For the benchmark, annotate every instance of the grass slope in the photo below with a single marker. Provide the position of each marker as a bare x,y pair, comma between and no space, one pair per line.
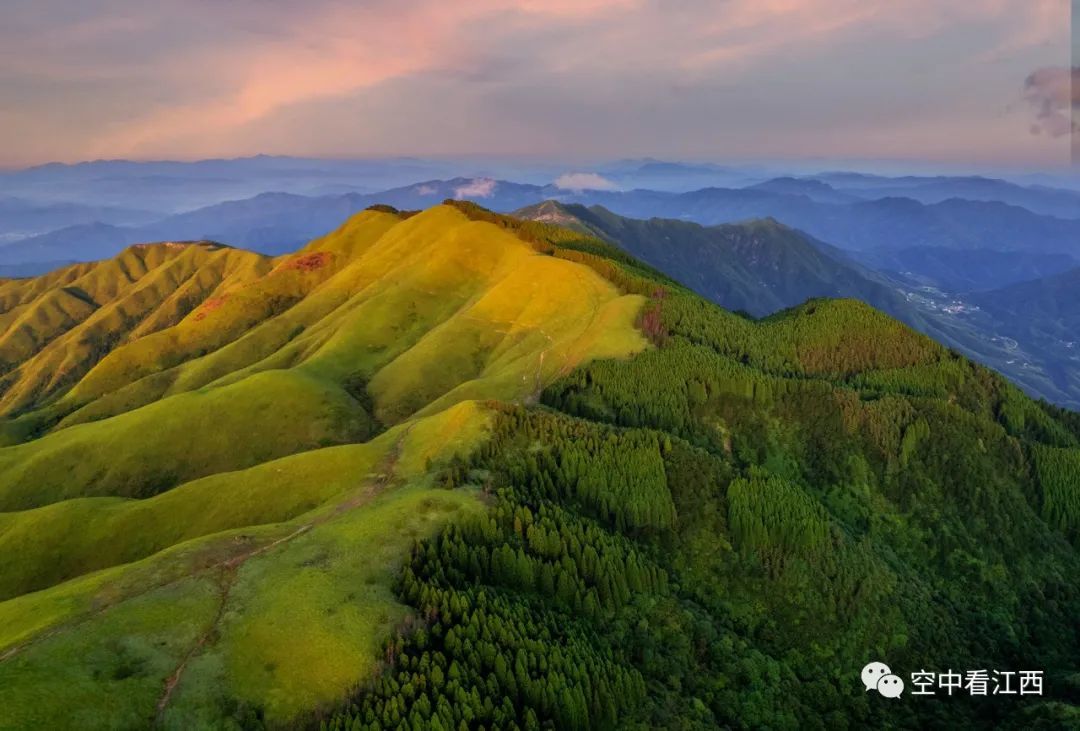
154,448
48,348
217,483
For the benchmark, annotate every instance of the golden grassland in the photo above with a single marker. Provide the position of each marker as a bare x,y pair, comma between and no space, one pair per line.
216,461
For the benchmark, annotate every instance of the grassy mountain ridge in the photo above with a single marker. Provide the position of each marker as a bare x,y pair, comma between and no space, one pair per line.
369,521
144,289
183,461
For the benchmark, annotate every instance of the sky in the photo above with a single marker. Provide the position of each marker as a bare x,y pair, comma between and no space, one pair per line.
957,81
1075,90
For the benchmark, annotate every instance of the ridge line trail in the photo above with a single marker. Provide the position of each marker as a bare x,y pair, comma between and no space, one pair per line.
230,568
567,367
367,489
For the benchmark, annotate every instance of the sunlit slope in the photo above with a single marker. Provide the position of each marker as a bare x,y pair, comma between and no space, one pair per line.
44,546
440,303
431,310
53,329
201,509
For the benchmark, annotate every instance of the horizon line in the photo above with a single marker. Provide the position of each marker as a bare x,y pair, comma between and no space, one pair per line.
829,164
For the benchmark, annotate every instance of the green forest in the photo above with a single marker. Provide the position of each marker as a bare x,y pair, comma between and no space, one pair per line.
721,531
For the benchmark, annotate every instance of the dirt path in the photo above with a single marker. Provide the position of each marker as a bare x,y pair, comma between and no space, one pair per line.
226,578
227,571
538,381
231,567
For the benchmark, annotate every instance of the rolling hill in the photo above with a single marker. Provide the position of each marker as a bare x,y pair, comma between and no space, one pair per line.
456,468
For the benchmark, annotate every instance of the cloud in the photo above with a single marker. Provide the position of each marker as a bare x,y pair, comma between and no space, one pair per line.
583,78
221,69
425,189
584,181
477,188
1052,92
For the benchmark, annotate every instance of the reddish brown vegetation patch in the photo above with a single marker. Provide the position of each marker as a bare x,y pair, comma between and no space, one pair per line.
309,262
651,320
211,304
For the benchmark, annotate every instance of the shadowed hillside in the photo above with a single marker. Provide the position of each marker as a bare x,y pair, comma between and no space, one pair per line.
758,267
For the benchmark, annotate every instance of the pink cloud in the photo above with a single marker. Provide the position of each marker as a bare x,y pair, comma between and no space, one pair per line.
742,30
198,78
307,52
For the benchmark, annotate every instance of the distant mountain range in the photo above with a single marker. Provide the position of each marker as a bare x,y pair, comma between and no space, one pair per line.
172,186
1038,325
21,271
811,188
1036,198
21,218
957,270
900,235
911,246
887,224
79,242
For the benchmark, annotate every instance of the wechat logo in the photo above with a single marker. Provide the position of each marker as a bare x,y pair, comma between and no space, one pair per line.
877,676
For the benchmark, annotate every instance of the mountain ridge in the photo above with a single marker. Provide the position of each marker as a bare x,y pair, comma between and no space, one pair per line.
498,444
759,266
